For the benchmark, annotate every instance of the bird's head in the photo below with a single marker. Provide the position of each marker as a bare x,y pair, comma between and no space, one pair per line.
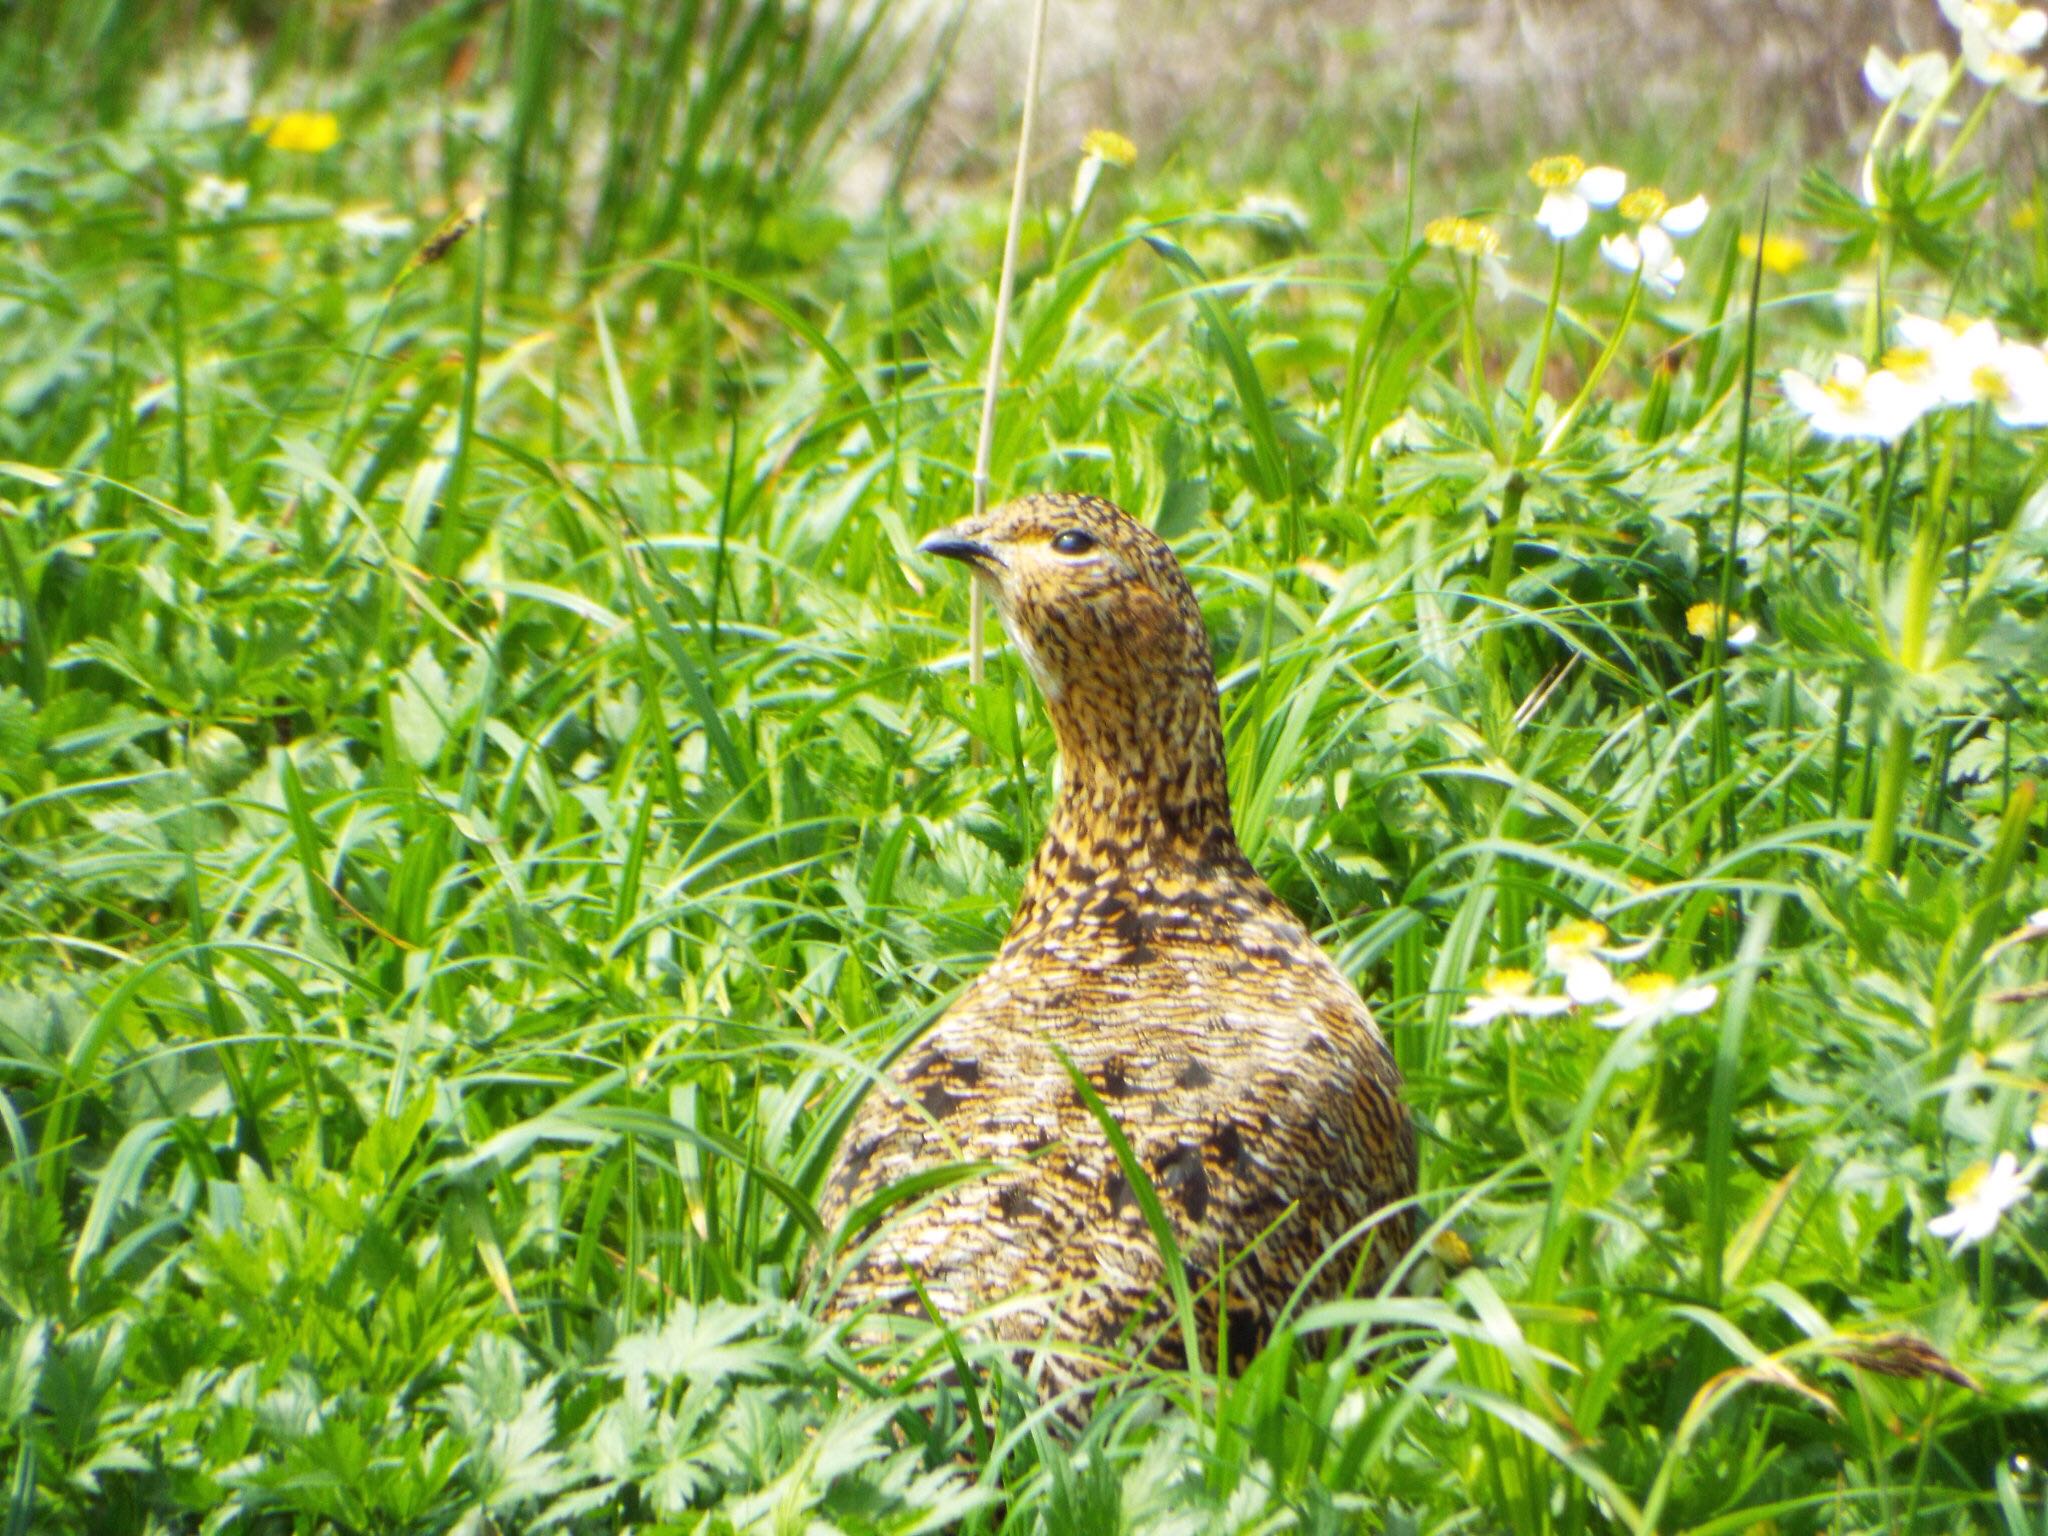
1092,599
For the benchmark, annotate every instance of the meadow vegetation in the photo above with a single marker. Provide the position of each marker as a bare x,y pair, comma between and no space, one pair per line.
484,780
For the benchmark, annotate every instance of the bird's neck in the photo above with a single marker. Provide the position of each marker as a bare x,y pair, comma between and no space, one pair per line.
1141,840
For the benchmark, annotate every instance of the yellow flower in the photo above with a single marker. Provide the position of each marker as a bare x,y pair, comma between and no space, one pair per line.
1783,254
1700,619
1555,173
1645,205
1467,237
298,133
1105,144
2026,218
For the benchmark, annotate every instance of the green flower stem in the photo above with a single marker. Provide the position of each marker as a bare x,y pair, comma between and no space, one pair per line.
1076,217
1922,580
1534,388
1918,137
1968,131
1891,795
1469,354
1499,572
1600,366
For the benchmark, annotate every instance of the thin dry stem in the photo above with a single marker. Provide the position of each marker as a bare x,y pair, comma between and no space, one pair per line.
985,443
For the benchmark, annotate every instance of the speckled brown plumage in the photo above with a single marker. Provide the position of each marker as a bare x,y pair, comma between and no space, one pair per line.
1241,1064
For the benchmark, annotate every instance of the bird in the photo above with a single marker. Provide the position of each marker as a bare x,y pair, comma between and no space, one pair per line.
1253,1089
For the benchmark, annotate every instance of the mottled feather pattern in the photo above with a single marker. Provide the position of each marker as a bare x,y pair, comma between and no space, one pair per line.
1243,1067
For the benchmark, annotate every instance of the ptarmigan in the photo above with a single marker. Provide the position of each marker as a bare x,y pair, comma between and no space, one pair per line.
1243,1067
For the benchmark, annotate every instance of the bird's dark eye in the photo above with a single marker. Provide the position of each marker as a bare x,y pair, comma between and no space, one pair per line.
1073,541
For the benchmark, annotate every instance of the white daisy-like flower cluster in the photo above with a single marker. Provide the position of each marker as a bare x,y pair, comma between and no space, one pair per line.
1572,190
1581,953
1997,36
1936,364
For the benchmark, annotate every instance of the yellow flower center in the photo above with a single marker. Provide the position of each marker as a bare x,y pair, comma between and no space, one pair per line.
1913,364
1645,205
1989,383
1578,936
2000,65
1113,147
2000,13
1468,237
1509,982
1650,984
1557,173
1967,1182
1846,392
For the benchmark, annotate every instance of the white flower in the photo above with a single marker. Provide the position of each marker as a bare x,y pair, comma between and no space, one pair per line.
1975,365
1991,65
1505,993
1579,951
371,227
1654,996
2002,25
2038,1133
1852,402
1980,1195
1657,258
1571,190
1915,81
1652,250
212,198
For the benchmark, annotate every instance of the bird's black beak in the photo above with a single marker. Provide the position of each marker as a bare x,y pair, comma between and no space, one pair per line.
950,546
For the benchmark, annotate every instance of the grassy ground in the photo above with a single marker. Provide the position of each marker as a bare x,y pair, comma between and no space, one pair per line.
483,779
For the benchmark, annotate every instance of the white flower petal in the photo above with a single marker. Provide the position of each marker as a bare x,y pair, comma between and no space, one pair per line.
1884,77
2025,372
1686,218
1587,981
1621,252
1602,186
1563,214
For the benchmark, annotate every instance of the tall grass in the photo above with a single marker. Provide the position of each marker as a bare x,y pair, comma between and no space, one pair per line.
485,784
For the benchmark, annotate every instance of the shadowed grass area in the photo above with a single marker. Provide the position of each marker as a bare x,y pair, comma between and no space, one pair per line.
485,783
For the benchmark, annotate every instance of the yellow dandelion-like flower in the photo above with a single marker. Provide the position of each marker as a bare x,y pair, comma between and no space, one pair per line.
1106,144
1783,254
298,133
2026,218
